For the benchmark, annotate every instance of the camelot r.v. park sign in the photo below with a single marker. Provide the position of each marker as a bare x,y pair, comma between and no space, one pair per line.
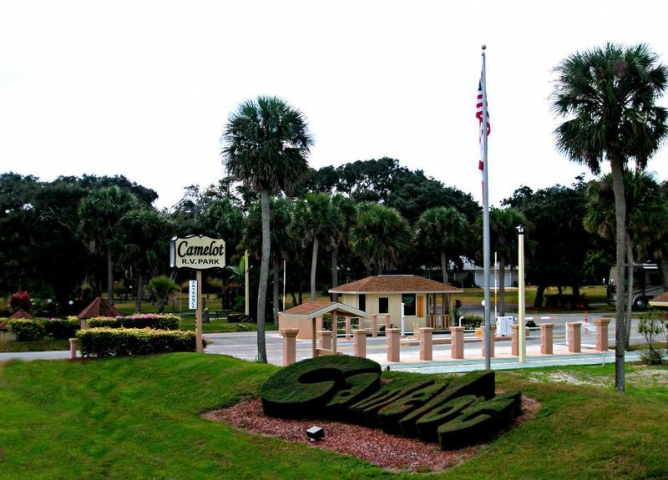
197,252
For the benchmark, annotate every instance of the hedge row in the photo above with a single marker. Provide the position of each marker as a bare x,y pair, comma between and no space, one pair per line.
37,328
149,320
112,342
453,412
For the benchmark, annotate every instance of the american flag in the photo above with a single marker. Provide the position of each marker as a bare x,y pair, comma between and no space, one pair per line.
482,99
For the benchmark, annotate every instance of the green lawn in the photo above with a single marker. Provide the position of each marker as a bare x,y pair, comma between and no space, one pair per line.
140,418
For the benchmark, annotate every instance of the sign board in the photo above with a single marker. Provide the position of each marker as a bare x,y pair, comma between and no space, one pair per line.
192,295
197,251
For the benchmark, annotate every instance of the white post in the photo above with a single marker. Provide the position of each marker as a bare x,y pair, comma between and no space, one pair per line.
285,269
520,308
402,319
247,287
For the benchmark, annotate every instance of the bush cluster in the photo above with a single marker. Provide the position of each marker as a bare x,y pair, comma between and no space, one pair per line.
112,342
27,329
149,320
62,329
453,412
469,322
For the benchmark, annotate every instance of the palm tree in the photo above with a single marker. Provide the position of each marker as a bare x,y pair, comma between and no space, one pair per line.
608,96
503,225
143,238
647,211
282,243
266,144
99,214
441,230
316,221
380,236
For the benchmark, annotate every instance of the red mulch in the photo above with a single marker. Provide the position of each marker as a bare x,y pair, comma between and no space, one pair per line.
390,452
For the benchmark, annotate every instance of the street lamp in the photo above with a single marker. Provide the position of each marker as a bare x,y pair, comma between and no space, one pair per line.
520,297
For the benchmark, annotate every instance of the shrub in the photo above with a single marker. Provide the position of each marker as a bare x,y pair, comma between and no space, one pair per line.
27,329
61,329
109,342
455,412
21,301
304,388
149,320
469,322
651,326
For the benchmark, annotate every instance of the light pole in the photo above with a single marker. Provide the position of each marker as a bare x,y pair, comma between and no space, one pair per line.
520,297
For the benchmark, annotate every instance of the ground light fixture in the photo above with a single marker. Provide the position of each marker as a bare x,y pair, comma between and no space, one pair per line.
315,433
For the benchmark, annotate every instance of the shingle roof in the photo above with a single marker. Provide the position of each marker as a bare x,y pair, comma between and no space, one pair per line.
660,301
314,309
395,284
99,308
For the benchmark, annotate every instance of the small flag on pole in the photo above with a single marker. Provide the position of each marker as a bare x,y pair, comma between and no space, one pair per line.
481,109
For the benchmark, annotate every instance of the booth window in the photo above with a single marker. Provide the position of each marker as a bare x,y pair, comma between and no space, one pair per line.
408,300
383,305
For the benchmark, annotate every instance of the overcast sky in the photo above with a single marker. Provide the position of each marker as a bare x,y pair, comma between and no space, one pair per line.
144,88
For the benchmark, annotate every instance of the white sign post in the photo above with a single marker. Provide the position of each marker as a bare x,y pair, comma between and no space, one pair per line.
197,252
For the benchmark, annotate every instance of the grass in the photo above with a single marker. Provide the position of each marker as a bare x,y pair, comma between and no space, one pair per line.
140,418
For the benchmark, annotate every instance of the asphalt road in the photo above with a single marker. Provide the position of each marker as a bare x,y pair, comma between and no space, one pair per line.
244,346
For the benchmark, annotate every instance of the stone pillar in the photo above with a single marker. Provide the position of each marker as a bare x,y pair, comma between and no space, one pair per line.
349,331
374,324
393,354
83,323
387,321
601,333
546,338
457,343
492,333
73,348
574,331
325,340
289,345
359,345
426,344
515,340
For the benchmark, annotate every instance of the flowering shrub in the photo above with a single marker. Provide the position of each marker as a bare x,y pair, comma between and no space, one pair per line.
21,301
147,320
113,342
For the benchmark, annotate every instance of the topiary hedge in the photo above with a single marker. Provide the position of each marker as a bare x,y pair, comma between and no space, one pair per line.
453,412
149,320
27,329
305,388
112,342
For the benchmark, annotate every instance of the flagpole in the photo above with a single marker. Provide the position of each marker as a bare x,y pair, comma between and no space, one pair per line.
485,217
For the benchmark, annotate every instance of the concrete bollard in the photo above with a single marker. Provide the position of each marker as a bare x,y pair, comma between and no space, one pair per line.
426,343
574,331
393,353
325,340
547,338
515,340
73,348
374,324
457,343
492,334
289,345
387,322
602,334
359,343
